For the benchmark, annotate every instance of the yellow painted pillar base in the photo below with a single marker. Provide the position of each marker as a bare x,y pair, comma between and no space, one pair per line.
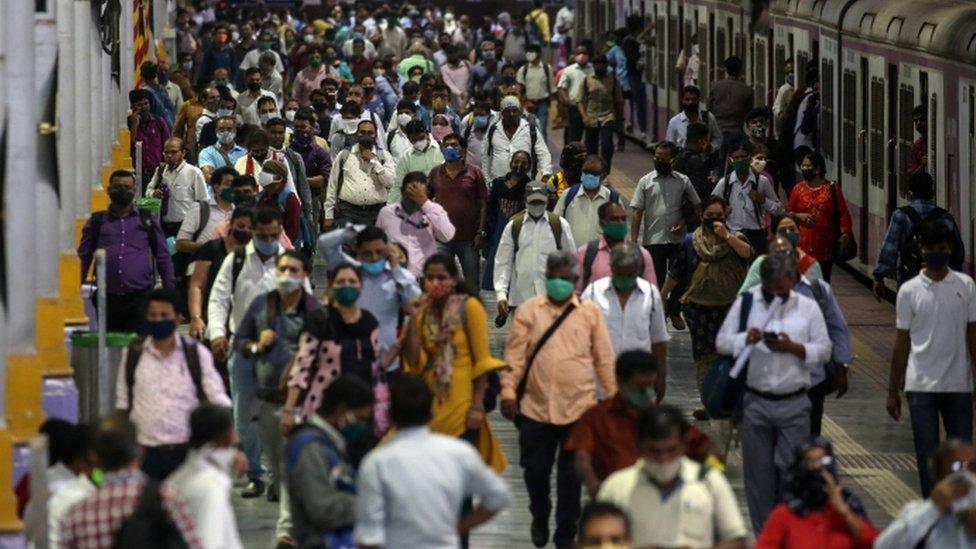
99,200
24,409
8,501
72,307
125,139
51,352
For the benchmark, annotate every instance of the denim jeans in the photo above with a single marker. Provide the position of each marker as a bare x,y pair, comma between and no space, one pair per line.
242,394
956,410
542,114
465,254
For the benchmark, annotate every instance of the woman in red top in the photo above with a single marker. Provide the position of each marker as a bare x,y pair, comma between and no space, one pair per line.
818,511
820,208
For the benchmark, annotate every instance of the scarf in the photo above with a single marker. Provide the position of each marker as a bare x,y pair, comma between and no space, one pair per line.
719,273
440,333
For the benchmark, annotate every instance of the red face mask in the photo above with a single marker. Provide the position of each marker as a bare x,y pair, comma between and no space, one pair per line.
438,290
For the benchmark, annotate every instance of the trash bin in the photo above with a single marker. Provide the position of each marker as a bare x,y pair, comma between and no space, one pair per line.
96,390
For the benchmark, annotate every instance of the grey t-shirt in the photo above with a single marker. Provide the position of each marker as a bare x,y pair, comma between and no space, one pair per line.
661,198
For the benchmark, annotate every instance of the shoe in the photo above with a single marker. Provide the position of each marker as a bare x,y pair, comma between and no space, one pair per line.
285,542
272,494
540,533
678,322
253,489
701,415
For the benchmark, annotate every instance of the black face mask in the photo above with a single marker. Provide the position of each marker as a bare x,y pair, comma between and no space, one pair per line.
366,141
319,106
689,107
254,86
808,486
709,222
662,167
520,171
121,196
245,200
809,174
600,72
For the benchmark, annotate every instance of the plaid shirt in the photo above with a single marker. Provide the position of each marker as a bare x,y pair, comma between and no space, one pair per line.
93,522
901,228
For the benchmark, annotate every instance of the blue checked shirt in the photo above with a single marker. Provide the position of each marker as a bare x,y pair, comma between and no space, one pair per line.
900,228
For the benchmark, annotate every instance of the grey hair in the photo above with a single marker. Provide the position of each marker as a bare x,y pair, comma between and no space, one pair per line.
777,267
625,254
561,260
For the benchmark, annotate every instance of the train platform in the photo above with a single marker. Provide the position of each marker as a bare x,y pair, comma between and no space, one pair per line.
875,453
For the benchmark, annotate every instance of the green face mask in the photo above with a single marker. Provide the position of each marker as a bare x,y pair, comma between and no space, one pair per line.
227,194
792,236
615,230
624,283
345,295
637,398
740,165
354,431
559,289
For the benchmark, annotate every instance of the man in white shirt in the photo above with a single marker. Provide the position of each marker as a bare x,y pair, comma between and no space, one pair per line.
786,338
671,500
178,183
570,91
749,195
253,57
691,111
247,101
359,182
935,522
528,238
204,480
633,309
202,219
658,204
934,348
509,133
410,489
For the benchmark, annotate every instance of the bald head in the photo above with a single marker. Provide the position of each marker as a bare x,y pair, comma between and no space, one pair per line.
173,152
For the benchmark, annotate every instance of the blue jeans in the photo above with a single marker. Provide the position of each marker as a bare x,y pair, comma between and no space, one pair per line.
542,114
242,395
638,101
465,254
956,410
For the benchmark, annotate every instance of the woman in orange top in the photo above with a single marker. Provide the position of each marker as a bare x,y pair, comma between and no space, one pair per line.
821,210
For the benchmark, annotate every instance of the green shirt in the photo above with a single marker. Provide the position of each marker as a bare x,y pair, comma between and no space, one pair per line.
754,278
414,161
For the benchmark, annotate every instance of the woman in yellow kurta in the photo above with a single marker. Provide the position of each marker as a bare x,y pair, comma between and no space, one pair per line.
446,344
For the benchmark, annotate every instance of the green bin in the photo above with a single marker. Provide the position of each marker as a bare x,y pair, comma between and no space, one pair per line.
96,389
151,205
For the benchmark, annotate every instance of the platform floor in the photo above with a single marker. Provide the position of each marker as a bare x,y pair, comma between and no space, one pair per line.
875,453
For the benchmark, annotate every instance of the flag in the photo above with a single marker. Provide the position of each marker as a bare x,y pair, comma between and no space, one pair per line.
142,36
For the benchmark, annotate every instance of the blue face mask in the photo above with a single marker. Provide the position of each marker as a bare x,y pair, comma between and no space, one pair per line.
590,181
374,267
452,153
265,247
936,260
160,329
481,122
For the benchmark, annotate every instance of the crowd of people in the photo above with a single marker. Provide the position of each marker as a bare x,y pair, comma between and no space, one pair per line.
406,148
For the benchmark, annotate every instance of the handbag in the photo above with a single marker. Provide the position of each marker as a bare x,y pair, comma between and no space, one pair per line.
842,253
721,394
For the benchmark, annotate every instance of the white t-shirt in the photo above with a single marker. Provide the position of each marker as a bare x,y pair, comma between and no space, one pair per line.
936,314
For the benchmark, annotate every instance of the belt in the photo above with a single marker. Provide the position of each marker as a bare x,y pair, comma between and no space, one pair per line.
776,396
367,207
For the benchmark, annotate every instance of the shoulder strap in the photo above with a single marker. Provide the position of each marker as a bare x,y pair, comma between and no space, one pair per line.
303,438
149,225
744,309
131,361
389,139
570,196
94,233
726,189
517,221
556,226
936,213
192,355
818,294
912,214
548,70
533,138
520,390
342,171
240,254
490,137
204,218
592,247
225,156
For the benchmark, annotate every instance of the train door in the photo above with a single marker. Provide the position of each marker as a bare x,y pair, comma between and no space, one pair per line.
876,122
938,128
705,83
760,70
967,168
828,109
853,171
661,74
674,45
891,165
910,89
802,56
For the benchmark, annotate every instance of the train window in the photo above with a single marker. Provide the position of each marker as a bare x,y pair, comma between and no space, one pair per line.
779,59
906,102
933,133
659,52
877,142
720,51
848,126
827,110
971,47
703,61
739,45
760,70
689,30
672,39
800,69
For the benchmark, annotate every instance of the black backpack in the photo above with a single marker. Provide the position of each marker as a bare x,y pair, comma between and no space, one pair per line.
190,353
149,526
910,257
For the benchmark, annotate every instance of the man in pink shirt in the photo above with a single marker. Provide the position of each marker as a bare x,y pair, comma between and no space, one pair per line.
416,222
161,379
594,256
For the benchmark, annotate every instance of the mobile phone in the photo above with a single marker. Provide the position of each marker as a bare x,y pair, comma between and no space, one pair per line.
770,335
500,320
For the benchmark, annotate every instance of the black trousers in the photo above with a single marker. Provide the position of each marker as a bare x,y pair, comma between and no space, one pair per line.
538,444
817,394
663,255
826,268
159,461
757,239
126,312
574,130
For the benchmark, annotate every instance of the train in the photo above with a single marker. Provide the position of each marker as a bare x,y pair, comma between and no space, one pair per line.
877,60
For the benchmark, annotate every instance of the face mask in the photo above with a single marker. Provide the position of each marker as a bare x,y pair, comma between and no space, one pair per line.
290,115
266,179
600,72
287,284
535,210
366,141
222,457
615,230
590,181
264,117
374,267
531,56
611,43
709,222
662,473
384,25
759,132
558,289
808,486
264,45
354,431
936,260
520,171
809,174
419,146
121,196
378,72
690,107
187,66
769,297
319,106
403,119
368,90
439,104
242,236
265,247
452,154
345,295
740,165
481,122
487,55
662,167
415,78
789,79
758,165
160,329
254,87
221,113
624,283
438,291
226,138
245,200
227,194
792,236
637,398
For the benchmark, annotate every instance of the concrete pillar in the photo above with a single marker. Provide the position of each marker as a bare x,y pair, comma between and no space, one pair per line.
83,115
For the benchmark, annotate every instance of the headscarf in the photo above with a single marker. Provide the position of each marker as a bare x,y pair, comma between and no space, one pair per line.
804,492
440,332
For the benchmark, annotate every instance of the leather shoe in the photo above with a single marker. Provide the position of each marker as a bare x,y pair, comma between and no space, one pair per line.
540,533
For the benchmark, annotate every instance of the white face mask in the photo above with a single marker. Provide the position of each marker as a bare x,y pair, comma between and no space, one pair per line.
309,38
531,56
350,125
662,473
403,119
226,138
758,165
222,457
266,179
419,146
290,115
287,284
384,24
264,117
224,112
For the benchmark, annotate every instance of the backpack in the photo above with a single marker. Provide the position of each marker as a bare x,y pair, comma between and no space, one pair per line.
150,525
204,219
573,190
148,224
190,353
910,257
546,69
554,224
533,138
592,249
306,239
